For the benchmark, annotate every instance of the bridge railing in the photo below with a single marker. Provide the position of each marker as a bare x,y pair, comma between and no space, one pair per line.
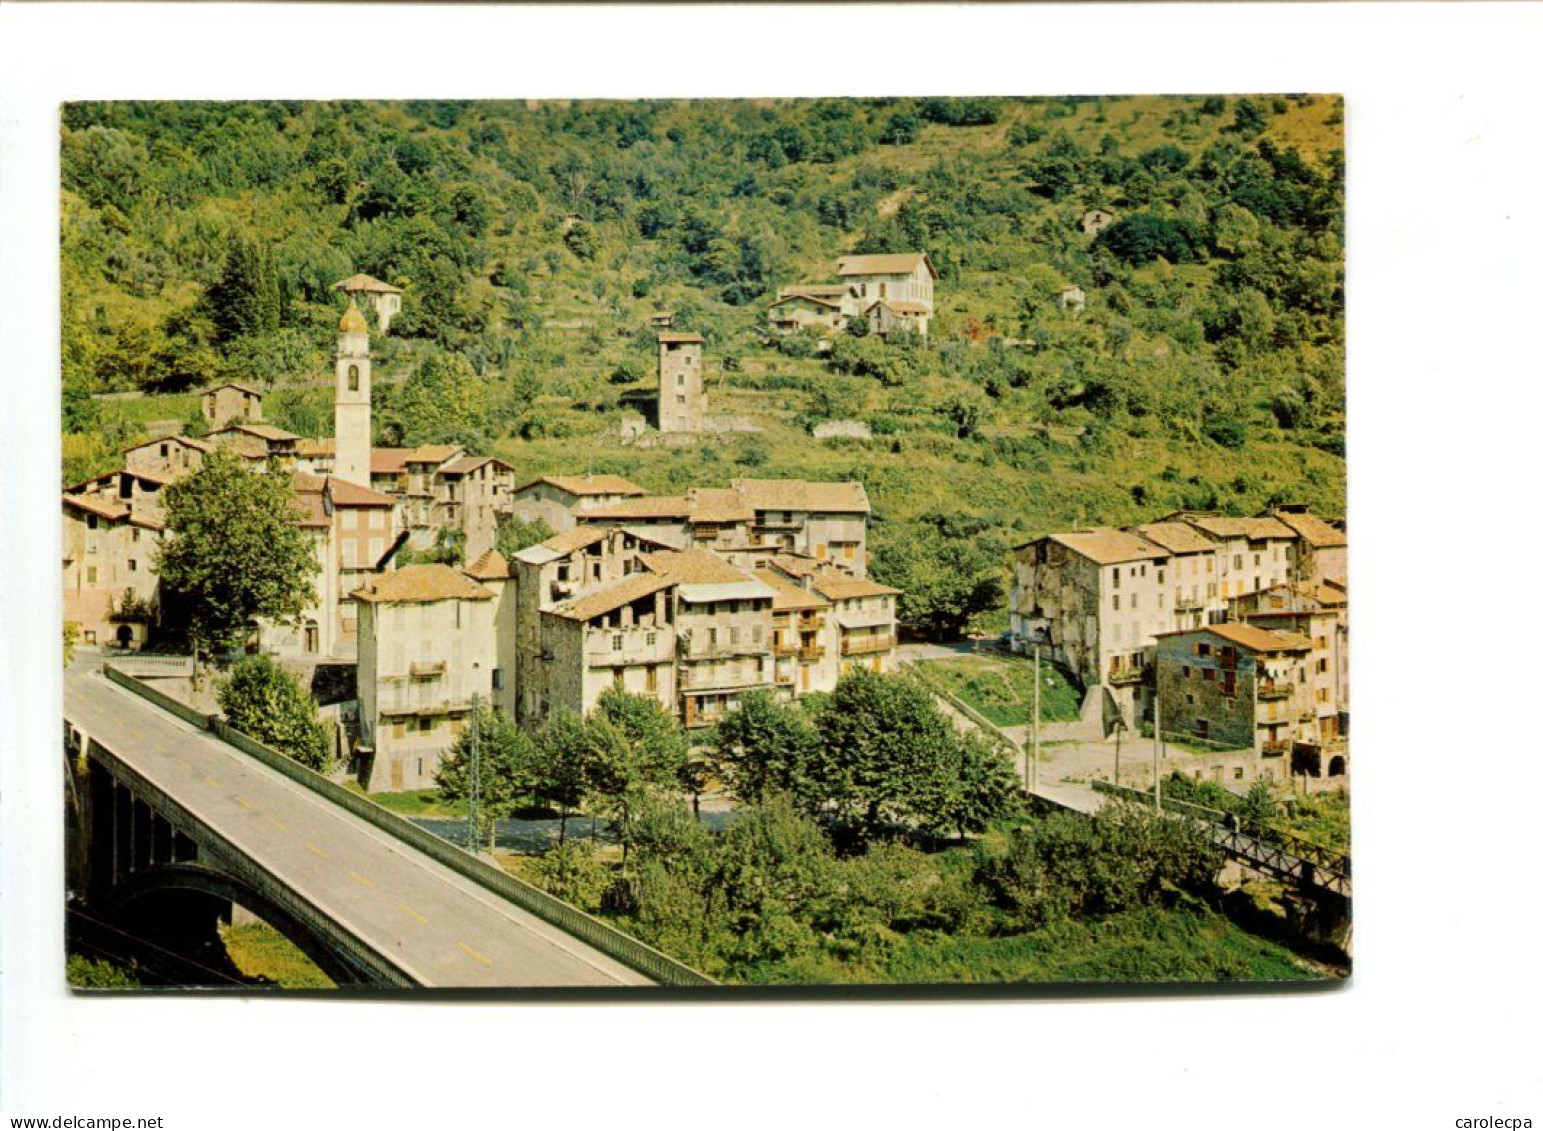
1279,851
143,664
580,924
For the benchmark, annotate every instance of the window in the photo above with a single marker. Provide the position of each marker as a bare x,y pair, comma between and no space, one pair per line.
165,450
1134,599
91,575
134,534
734,635
616,643
1116,577
1323,665
1323,695
1116,602
680,378
1186,671
1256,561
1208,675
1202,649
498,678
134,566
1237,561
91,522
651,639
1160,577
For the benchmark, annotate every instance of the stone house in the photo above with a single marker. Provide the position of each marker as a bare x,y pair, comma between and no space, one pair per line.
426,645
621,634
470,493
549,578
723,622
805,648
827,521
1193,573
558,499
1319,551
140,492
1072,297
903,278
810,306
1252,553
110,586
682,401
892,292
865,616
262,445
231,403
386,299
1237,686
1318,614
365,526
170,457
316,455
407,475
314,633
1095,600
890,316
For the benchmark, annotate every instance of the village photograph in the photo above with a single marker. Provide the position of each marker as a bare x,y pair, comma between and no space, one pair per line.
580,544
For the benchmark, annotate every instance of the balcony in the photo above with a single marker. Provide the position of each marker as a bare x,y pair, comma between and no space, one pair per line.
811,652
812,622
781,649
635,649
701,649
1126,677
1188,604
1275,748
863,645
429,669
1272,690
697,680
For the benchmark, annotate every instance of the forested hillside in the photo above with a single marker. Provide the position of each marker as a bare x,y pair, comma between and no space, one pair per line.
200,242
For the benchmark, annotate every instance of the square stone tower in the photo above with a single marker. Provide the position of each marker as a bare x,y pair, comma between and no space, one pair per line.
351,399
682,404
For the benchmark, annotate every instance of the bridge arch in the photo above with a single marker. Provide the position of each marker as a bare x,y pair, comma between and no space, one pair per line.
200,879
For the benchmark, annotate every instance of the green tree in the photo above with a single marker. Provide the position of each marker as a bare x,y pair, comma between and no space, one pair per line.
949,574
265,701
764,748
443,402
560,769
516,534
634,746
508,759
232,553
245,299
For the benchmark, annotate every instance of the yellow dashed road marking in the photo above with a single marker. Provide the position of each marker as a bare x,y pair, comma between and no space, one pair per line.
474,954
215,782
413,913
361,880
278,824
316,850
241,801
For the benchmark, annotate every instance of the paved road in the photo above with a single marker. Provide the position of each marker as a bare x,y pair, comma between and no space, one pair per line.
442,928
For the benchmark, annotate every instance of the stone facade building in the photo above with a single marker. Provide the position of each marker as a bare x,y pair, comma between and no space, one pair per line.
386,299
558,500
170,457
682,401
470,495
230,403
110,587
1238,686
427,644
890,292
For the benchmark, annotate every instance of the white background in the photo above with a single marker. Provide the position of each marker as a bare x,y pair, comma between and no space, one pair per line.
1440,1021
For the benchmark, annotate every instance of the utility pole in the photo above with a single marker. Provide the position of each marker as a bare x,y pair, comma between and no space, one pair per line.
1034,776
1119,729
474,776
1157,740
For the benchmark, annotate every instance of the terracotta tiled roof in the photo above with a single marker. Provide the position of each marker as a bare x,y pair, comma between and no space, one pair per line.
794,296
902,264
576,539
234,385
612,596
796,565
189,441
839,587
414,583
366,284
261,431
346,494
650,506
789,597
148,476
1252,637
1175,537
814,290
1311,529
902,307
93,504
433,453
310,447
680,338
694,567
491,566
802,495
585,485
1108,546
1254,529
463,464
718,504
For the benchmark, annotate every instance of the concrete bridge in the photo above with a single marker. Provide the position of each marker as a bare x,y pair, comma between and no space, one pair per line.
170,820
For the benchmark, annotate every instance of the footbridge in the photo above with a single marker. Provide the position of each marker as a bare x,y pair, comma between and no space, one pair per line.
173,809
